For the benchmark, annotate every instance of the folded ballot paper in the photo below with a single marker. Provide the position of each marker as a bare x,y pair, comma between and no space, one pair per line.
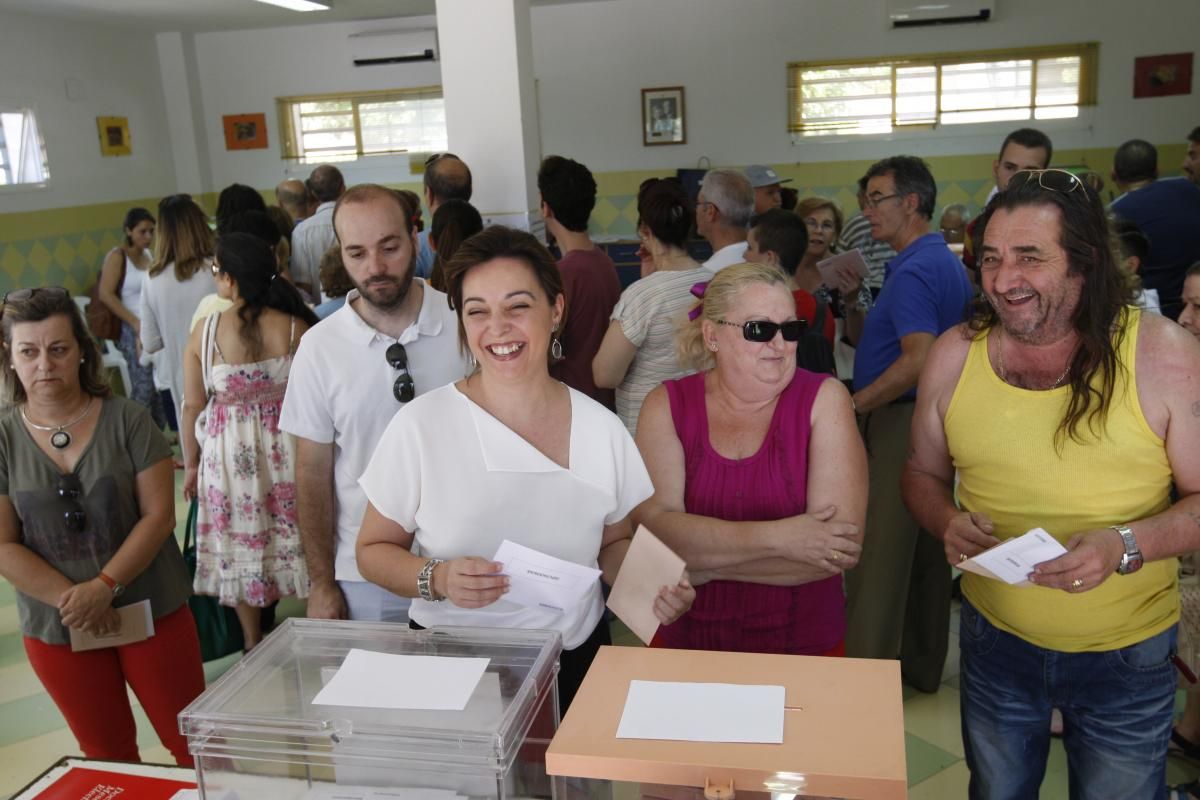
1013,560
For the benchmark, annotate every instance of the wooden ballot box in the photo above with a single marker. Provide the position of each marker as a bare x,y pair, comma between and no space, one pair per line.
843,727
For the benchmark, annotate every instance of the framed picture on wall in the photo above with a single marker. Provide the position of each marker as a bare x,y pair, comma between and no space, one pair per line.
1160,76
114,136
663,120
245,131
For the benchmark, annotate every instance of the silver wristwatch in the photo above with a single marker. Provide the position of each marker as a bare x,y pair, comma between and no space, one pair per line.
425,581
1132,559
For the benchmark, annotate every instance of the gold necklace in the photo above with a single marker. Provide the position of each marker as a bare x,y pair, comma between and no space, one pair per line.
60,439
1004,374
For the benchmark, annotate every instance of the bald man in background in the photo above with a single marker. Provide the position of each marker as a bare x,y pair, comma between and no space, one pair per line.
292,196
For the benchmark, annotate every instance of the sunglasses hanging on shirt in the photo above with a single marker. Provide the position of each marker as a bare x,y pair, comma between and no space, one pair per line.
403,389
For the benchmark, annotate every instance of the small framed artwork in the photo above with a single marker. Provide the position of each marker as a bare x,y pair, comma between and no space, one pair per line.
663,119
114,136
245,131
1161,76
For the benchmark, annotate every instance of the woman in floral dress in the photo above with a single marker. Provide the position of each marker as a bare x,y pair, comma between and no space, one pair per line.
248,550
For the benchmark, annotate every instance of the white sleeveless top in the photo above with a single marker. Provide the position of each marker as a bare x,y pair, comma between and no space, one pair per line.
131,289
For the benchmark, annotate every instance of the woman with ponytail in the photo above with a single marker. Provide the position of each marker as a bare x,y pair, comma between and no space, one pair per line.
243,472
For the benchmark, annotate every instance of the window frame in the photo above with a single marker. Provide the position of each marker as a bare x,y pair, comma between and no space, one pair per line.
290,143
1087,52
31,110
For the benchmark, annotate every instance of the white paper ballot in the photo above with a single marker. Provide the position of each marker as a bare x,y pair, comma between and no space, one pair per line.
703,712
541,581
368,679
1013,560
850,264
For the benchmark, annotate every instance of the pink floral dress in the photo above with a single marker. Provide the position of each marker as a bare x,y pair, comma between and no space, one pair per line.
247,539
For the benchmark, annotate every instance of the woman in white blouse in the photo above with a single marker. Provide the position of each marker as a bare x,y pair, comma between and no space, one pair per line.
180,278
507,453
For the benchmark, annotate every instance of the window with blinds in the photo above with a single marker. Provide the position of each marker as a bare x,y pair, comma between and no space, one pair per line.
343,127
867,96
22,151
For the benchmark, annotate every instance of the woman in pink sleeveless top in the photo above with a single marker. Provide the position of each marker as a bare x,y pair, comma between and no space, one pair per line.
765,538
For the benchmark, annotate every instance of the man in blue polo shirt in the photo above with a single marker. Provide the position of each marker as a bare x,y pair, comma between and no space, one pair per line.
898,597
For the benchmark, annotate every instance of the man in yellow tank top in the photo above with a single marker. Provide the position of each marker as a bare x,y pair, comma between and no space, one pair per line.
1062,407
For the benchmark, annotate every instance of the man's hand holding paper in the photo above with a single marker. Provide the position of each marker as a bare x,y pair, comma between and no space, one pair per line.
1091,558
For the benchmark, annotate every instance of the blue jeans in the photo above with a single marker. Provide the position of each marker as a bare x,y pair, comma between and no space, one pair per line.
1117,708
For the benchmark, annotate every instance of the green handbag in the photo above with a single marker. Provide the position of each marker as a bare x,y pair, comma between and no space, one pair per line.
218,626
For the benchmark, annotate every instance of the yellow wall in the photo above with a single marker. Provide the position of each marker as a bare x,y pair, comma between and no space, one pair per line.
64,247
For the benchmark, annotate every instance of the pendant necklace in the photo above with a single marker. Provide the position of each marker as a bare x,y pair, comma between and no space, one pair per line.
60,439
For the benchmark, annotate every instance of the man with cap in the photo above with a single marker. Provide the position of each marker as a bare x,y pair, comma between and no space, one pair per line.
768,190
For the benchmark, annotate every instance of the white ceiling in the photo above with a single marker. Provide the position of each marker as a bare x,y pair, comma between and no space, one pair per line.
210,15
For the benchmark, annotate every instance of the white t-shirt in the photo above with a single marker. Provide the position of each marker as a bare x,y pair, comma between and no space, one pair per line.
167,308
310,239
727,256
340,391
650,312
131,287
462,482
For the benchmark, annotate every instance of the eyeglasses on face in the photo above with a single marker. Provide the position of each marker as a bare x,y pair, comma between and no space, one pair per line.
1054,180
762,330
70,489
874,201
403,389
819,225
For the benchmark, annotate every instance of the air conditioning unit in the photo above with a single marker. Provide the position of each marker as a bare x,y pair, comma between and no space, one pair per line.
915,13
398,46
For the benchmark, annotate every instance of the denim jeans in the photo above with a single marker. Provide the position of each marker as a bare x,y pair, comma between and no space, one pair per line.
1117,708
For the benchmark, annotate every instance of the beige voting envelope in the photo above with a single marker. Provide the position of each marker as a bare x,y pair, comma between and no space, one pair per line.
136,625
648,566
843,732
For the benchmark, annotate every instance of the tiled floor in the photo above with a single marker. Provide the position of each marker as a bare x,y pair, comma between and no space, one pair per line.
33,734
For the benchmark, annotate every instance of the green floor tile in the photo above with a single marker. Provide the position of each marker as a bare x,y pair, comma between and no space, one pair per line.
924,759
28,717
12,649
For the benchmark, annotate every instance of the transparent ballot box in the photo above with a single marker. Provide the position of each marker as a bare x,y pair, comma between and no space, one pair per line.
257,735
842,729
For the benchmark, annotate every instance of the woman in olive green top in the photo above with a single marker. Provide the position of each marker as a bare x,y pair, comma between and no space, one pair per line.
87,511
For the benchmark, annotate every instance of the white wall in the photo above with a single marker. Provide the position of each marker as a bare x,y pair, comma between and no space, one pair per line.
115,73
592,59
242,72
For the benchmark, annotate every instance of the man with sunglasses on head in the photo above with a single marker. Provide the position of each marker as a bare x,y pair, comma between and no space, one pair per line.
447,177
1023,149
1063,407
395,338
314,235
898,597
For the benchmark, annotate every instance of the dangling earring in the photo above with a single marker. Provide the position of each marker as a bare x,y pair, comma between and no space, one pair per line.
471,363
556,349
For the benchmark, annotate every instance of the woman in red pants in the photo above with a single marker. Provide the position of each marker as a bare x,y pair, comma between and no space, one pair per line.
86,514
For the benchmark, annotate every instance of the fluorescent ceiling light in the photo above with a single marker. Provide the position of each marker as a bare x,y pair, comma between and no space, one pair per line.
300,5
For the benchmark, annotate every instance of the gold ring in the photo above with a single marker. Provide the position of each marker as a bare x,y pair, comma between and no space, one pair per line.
1078,582
837,556
962,557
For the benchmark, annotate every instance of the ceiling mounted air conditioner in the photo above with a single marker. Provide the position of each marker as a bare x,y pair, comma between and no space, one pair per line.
398,46
915,13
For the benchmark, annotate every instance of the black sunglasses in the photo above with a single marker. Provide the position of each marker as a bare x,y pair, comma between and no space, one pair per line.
762,330
1055,180
70,489
404,389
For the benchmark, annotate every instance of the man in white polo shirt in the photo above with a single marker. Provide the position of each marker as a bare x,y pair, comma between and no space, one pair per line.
395,338
724,206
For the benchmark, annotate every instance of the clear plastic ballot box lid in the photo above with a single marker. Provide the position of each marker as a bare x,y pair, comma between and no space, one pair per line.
259,718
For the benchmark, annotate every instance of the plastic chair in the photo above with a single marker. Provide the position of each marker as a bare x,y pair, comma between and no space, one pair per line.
110,357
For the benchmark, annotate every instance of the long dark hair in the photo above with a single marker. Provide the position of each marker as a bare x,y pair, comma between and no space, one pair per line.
42,304
453,223
251,263
1099,316
132,218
